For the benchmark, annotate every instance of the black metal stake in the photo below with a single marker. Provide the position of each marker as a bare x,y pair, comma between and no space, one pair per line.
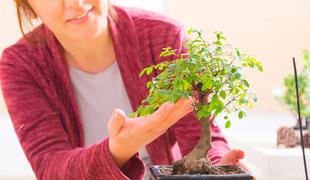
300,126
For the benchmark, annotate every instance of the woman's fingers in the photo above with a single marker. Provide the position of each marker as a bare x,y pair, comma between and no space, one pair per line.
159,115
116,122
232,157
166,115
181,108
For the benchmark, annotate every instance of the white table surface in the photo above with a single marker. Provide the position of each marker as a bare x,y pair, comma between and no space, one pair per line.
257,136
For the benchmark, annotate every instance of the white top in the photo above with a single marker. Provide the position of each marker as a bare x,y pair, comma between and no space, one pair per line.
98,95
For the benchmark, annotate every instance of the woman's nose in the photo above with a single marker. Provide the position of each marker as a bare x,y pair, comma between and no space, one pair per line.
73,3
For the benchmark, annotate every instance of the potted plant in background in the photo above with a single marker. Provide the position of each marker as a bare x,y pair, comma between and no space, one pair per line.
288,136
211,73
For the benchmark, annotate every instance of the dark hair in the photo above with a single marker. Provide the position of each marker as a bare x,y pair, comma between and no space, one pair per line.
24,14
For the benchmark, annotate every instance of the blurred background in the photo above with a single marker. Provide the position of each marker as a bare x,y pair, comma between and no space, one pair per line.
272,31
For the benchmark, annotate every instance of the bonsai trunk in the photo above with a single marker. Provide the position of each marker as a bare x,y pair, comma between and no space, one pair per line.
197,160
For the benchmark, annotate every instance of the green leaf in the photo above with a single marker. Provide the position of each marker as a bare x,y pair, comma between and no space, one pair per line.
218,109
167,52
195,57
237,75
243,101
245,83
204,112
244,64
186,85
223,94
149,70
196,79
218,36
148,84
176,83
147,110
251,105
190,31
207,84
251,64
200,114
238,53
259,67
174,97
218,50
151,99
240,114
131,115
227,124
306,55
254,98
233,70
218,85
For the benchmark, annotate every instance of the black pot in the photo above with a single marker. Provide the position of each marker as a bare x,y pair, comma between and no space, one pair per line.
156,174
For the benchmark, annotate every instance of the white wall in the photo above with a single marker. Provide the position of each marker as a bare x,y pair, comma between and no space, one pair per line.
9,30
271,30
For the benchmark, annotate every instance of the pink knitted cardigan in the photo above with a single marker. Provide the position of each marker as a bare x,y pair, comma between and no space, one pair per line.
43,108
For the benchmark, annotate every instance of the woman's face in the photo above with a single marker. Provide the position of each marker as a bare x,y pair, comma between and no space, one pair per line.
73,19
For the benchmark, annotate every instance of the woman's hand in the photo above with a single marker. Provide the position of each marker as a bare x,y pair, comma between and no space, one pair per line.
235,157
128,135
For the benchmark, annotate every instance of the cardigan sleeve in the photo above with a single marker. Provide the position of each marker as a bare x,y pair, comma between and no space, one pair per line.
43,138
187,130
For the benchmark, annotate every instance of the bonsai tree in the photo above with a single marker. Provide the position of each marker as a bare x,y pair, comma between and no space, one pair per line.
287,135
289,97
211,73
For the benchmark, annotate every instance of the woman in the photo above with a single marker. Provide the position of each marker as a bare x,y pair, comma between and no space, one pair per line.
62,81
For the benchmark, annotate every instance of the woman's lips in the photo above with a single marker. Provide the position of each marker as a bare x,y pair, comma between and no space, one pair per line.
82,18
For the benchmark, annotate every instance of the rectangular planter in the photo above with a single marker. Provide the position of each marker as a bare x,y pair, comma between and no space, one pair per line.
156,175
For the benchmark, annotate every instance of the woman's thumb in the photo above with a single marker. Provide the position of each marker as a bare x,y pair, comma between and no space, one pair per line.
116,122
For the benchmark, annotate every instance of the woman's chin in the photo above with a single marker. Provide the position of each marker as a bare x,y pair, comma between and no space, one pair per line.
89,33
90,30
